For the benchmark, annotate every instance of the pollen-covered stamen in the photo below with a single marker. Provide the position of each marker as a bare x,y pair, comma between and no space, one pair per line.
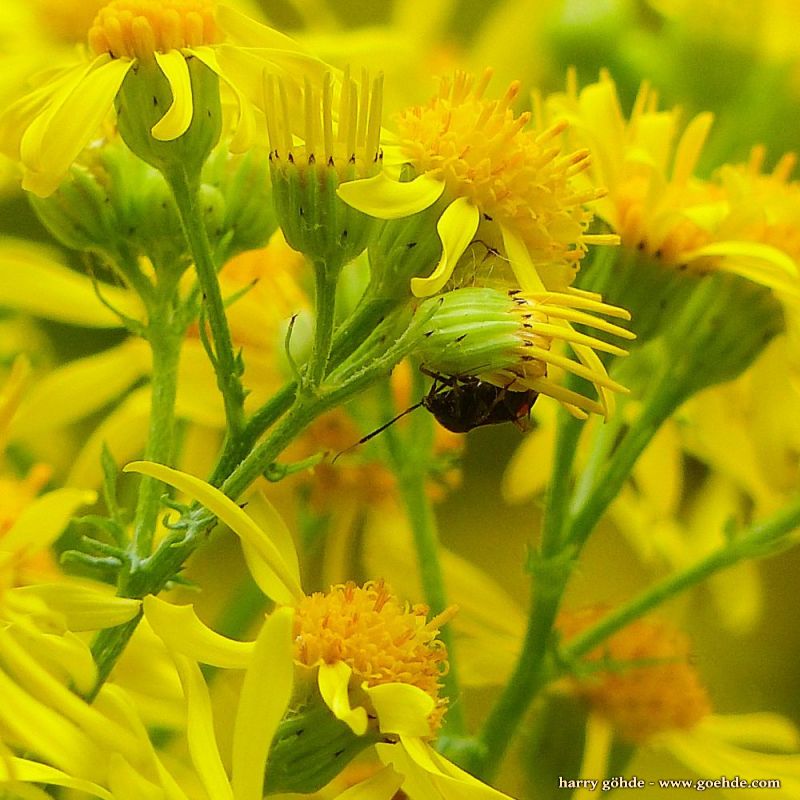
380,638
340,132
649,685
140,28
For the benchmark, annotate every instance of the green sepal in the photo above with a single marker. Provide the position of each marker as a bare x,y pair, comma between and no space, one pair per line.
142,101
311,748
471,330
315,221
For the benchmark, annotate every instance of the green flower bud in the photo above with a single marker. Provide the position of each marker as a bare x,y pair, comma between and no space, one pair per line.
512,340
114,204
141,104
305,177
247,218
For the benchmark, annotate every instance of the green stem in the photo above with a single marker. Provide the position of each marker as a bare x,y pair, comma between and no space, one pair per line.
325,307
410,458
665,397
527,679
153,573
226,364
165,343
758,539
426,543
569,431
235,450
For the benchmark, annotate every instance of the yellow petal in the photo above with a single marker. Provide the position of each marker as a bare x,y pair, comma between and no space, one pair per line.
259,711
178,116
248,32
33,280
11,394
43,520
757,262
761,730
42,731
429,776
690,145
383,785
234,517
182,631
244,129
456,227
34,772
521,263
84,609
334,684
68,653
200,731
528,472
384,198
82,387
55,138
128,783
266,517
31,676
119,705
401,708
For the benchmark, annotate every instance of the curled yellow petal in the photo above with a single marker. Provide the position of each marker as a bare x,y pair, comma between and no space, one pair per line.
401,708
234,517
183,632
178,116
334,682
456,228
384,198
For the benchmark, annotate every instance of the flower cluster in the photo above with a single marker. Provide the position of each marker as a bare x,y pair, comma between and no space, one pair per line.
301,336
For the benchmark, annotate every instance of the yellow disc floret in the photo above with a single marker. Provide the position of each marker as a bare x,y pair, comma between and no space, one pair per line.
516,177
382,639
650,685
140,28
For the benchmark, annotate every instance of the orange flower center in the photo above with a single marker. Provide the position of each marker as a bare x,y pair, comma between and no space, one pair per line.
652,687
140,28
380,638
516,177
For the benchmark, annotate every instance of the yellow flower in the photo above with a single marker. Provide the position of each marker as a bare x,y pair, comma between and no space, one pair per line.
505,186
660,703
376,661
265,283
48,128
656,203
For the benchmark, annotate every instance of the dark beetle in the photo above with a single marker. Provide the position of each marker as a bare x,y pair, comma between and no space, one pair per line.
461,404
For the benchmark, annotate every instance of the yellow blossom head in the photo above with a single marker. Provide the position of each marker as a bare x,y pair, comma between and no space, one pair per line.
650,686
499,183
158,62
380,638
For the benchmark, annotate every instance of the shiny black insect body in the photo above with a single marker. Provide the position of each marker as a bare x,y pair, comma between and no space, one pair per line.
462,404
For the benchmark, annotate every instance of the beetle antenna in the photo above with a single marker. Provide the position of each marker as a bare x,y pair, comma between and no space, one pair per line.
377,431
